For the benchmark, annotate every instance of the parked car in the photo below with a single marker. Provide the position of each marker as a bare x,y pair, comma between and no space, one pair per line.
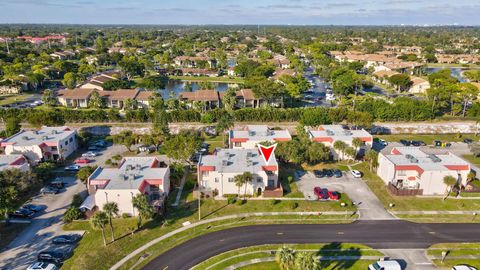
100,143
333,195
318,173
417,143
56,256
94,148
90,154
321,193
405,142
66,239
42,266
33,207
468,141
72,168
48,190
328,172
337,173
356,174
382,142
463,267
147,148
82,161
385,265
442,144
57,183
22,213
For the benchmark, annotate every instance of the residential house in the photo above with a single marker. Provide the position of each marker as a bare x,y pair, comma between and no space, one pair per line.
62,55
246,99
192,61
199,72
80,97
329,134
413,168
382,76
419,85
216,173
280,72
134,175
14,162
251,135
211,98
96,82
48,143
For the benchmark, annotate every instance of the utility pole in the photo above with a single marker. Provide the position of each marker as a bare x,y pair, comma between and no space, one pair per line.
8,49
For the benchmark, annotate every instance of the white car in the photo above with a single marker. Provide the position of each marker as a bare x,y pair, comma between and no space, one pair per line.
90,154
356,174
72,168
385,265
42,266
463,267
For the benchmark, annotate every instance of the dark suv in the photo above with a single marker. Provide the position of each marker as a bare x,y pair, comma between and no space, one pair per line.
56,256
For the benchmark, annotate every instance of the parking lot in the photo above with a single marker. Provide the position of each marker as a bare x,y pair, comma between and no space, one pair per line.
44,226
370,208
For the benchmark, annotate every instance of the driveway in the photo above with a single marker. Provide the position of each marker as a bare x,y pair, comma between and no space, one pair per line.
23,250
369,207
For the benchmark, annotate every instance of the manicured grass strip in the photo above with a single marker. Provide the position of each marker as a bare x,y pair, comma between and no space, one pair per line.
334,249
449,263
9,99
440,218
472,159
406,203
332,265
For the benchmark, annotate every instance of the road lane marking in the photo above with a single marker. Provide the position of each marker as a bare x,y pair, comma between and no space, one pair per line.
340,233
431,232
279,233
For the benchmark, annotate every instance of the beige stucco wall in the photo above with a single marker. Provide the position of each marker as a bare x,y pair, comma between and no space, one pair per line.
207,180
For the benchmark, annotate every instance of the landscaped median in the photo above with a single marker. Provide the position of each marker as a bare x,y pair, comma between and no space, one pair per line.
331,255
456,253
418,208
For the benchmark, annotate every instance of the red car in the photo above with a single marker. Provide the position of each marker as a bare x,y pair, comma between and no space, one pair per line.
333,195
82,161
321,193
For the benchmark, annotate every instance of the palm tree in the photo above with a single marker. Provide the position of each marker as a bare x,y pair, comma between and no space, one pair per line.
111,209
306,261
357,143
145,210
340,147
285,257
350,152
98,221
372,157
239,181
224,123
449,181
248,178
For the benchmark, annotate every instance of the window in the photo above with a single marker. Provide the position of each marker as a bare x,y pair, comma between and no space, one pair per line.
259,180
205,173
238,144
230,179
402,173
216,180
71,139
66,143
54,148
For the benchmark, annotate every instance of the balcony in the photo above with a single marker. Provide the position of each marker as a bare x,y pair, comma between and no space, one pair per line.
403,191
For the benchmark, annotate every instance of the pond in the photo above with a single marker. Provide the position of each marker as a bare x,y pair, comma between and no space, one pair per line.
174,87
456,72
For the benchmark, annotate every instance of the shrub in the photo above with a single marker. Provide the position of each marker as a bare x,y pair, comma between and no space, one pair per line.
241,202
290,179
231,200
293,205
77,200
108,162
125,215
72,214
273,202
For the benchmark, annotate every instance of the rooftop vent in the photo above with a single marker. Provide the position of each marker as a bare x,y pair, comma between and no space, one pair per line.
251,133
44,138
434,158
329,132
54,131
225,162
411,158
25,138
249,154
138,167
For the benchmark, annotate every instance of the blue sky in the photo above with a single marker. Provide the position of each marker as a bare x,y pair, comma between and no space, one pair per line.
317,12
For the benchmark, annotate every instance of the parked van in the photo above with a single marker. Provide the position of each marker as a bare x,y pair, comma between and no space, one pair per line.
385,265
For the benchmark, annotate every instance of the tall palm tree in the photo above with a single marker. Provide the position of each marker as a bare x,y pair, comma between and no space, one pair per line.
372,157
111,209
449,181
98,221
306,261
357,143
239,181
350,152
145,210
224,123
248,178
285,257
340,147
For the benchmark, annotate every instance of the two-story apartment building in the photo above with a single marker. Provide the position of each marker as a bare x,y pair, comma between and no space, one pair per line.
134,175
48,143
18,162
329,134
80,97
249,137
216,173
414,168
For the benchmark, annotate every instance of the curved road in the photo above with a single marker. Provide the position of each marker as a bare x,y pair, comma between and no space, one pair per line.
377,234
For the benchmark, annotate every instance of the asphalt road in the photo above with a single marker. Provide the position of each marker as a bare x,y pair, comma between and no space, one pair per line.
387,234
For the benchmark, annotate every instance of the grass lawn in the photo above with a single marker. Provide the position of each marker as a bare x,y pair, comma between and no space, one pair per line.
472,159
9,99
427,138
406,203
8,233
453,65
455,249
263,251
440,218
361,264
208,79
91,254
216,141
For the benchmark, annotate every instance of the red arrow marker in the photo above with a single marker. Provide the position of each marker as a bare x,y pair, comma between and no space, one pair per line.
267,151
